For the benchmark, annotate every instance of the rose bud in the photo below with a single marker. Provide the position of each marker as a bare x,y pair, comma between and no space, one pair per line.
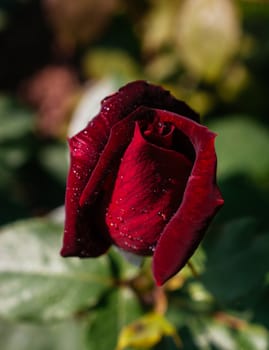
142,177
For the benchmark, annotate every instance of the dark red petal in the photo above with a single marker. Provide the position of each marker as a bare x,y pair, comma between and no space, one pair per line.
148,189
120,136
140,93
201,200
84,155
87,172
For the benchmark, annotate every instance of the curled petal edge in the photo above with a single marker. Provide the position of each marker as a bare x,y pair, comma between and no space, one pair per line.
201,201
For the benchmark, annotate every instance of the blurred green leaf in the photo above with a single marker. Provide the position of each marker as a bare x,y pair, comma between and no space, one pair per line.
106,62
238,263
253,337
119,308
207,34
207,333
228,333
16,125
15,120
38,284
243,197
11,158
242,145
24,336
54,158
123,269
261,309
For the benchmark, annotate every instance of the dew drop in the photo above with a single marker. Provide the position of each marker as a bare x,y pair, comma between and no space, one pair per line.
172,181
152,248
138,239
162,215
117,201
108,216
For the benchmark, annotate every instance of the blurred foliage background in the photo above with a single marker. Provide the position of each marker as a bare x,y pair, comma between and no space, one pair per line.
58,59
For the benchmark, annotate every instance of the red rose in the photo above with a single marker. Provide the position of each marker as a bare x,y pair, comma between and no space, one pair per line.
142,177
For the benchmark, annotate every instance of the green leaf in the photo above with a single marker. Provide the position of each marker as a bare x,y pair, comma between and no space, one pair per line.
15,120
36,283
15,144
253,337
24,336
238,263
243,197
206,332
117,310
241,146
228,333
54,158
123,269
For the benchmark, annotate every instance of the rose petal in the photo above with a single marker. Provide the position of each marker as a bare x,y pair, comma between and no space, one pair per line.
201,200
120,136
140,93
148,189
82,234
84,155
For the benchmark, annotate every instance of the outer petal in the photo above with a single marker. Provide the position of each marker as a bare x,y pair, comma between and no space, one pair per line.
86,148
84,154
147,191
140,93
201,200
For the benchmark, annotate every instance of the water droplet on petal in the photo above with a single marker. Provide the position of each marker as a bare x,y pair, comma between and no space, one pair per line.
162,215
152,248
